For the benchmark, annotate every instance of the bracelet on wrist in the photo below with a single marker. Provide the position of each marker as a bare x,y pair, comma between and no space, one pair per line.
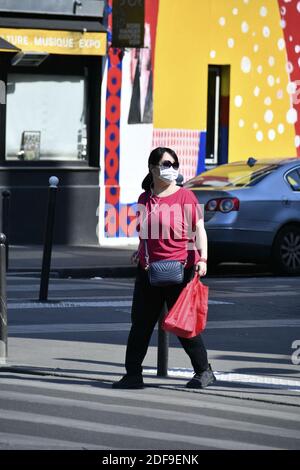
203,260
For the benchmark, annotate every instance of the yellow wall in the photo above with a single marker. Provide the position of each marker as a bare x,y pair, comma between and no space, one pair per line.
243,34
180,80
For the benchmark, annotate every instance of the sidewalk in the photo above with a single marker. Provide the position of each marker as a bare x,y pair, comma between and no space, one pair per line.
95,261
55,339
103,363
73,261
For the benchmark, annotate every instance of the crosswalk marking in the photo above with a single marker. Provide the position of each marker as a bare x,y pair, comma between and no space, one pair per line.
85,304
69,304
137,432
235,293
146,396
249,379
14,441
165,415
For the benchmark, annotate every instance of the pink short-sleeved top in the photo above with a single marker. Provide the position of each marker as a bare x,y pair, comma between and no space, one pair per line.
168,225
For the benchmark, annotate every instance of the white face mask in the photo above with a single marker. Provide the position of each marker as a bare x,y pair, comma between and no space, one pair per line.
168,174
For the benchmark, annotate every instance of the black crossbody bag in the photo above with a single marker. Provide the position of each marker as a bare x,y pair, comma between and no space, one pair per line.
164,272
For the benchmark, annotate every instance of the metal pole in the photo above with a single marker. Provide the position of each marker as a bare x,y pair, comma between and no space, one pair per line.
3,304
163,348
5,220
53,182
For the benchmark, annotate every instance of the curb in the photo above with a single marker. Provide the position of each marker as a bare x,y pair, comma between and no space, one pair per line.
109,271
167,386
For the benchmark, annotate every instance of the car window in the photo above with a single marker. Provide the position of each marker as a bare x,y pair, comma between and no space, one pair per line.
232,175
293,178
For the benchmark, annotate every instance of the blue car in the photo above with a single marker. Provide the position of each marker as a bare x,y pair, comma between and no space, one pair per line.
252,212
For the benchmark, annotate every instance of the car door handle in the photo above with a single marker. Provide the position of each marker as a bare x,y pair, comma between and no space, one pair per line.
285,201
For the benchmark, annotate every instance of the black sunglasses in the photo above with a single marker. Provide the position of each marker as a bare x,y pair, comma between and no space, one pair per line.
168,164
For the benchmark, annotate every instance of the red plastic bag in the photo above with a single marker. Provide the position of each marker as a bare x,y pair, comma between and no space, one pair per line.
187,318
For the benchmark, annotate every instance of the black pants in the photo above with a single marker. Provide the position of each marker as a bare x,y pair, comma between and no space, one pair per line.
147,306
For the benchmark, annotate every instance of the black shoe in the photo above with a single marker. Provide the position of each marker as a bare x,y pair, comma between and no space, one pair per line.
129,381
203,379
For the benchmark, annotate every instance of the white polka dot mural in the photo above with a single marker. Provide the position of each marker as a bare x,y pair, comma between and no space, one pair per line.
259,136
238,101
282,24
291,116
268,116
271,134
253,35
271,61
246,64
266,31
280,44
230,42
245,27
263,11
268,101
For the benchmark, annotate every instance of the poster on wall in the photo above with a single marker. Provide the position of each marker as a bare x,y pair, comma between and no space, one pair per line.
136,123
141,73
128,18
128,127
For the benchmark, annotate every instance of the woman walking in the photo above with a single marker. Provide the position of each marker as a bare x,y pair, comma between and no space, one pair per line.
164,204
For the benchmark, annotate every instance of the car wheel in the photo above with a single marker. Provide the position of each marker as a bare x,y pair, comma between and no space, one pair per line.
286,250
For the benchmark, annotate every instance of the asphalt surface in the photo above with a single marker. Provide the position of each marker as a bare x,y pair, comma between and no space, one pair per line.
64,354
91,261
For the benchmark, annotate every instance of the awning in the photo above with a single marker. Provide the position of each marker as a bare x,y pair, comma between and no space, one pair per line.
80,36
56,41
61,24
7,47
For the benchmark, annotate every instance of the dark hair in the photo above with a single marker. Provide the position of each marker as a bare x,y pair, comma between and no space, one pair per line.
154,159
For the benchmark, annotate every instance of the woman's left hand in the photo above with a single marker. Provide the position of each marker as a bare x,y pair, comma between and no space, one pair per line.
201,268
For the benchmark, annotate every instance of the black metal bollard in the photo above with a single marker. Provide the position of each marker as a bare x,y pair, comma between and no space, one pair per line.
48,240
3,304
163,348
5,220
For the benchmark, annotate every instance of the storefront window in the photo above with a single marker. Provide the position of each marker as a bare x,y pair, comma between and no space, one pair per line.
46,117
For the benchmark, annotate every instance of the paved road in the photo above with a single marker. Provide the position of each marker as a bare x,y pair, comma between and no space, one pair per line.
53,413
64,354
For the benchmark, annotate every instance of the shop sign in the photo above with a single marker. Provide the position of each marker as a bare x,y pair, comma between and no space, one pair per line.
56,42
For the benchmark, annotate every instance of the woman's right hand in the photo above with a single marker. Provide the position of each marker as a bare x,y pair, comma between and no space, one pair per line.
134,258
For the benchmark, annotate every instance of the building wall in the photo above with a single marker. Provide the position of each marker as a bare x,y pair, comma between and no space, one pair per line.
249,37
259,41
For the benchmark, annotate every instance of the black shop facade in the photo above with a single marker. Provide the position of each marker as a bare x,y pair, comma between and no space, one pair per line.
51,68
